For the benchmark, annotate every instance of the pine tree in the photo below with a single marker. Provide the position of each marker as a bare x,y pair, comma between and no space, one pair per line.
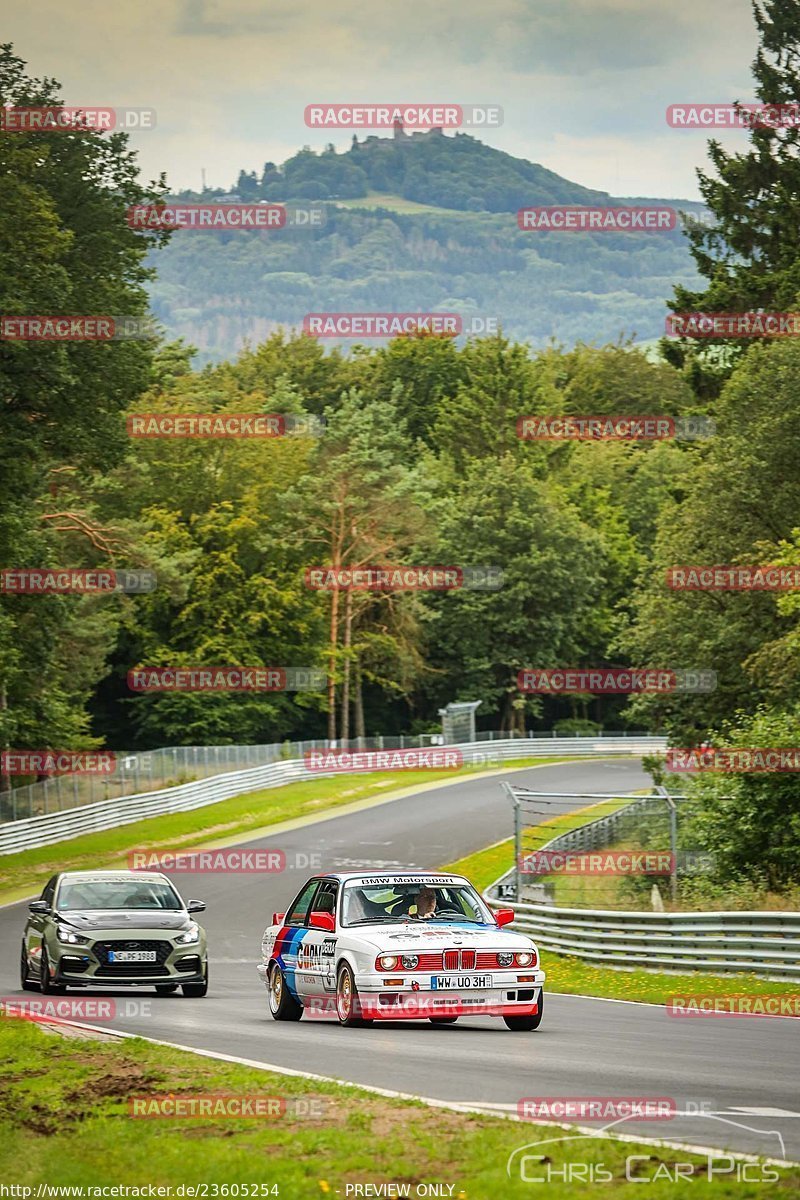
751,257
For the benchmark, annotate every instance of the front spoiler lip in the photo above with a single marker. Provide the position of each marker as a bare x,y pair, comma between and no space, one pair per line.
111,985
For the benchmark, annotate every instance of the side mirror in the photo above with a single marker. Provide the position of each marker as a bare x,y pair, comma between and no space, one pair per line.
323,920
504,916
277,918
196,906
39,906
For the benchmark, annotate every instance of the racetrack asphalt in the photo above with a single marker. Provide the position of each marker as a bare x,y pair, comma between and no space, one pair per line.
743,1070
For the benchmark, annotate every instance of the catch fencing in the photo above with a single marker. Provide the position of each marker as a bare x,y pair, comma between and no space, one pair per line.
765,943
108,813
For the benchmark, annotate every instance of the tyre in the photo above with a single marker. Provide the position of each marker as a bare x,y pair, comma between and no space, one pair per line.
282,1004
25,983
165,989
524,1024
442,1020
195,989
46,985
348,1005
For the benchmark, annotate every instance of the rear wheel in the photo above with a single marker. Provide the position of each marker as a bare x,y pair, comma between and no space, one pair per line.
282,1004
25,982
524,1024
348,1005
195,989
165,989
46,985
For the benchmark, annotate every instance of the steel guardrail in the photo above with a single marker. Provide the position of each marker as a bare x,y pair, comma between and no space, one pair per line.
53,827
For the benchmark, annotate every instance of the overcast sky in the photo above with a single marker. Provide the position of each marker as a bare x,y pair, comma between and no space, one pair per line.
583,83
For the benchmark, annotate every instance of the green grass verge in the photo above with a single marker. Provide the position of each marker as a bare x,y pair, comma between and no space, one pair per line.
573,976
400,204
25,873
65,1114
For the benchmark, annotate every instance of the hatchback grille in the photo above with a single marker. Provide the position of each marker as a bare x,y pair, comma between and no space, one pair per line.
451,960
467,960
162,949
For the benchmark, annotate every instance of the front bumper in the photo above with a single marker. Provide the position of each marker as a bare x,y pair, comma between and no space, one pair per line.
89,966
507,996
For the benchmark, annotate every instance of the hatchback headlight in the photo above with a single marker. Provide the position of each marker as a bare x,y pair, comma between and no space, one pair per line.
505,959
386,962
525,958
192,934
66,934
410,961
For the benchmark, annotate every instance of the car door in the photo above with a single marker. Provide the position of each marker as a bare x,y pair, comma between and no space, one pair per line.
317,951
36,926
293,934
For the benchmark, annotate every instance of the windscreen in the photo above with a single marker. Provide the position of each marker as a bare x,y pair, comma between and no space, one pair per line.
366,904
116,893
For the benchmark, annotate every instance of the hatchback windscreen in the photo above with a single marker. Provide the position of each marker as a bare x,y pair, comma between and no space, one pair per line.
100,894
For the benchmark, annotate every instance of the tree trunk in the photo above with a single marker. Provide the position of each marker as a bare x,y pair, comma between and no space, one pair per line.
358,703
348,641
334,629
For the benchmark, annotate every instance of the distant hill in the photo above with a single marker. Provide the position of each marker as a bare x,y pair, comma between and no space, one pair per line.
417,223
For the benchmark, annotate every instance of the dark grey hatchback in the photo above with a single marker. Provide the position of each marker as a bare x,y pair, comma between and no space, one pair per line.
113,929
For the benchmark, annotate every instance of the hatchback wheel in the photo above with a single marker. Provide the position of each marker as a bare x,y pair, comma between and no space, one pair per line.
195,989
25,982
46,985
525,1024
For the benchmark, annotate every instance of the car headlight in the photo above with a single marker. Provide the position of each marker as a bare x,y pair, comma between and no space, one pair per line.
410,961
192,934
505,959
65,934
386,962
525,958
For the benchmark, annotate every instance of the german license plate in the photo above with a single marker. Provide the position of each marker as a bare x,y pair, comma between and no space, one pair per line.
115,956
459,983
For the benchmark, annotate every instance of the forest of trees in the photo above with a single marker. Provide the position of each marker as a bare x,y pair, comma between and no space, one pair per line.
419,463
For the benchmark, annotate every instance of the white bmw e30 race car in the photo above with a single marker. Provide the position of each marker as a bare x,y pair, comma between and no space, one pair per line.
395,946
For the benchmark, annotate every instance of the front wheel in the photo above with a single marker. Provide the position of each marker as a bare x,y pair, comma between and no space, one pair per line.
46,985
525,1024
282,1004
348,1005
196,989
25,983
